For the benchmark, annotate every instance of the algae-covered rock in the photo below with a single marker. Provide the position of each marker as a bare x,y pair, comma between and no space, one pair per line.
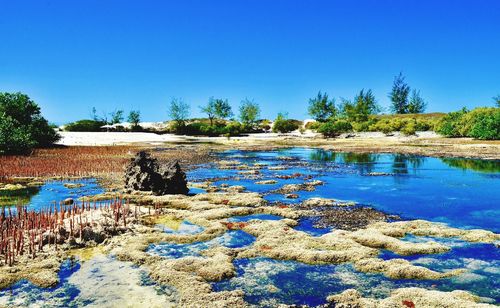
408,297
401,269
266,182
73,185
427,228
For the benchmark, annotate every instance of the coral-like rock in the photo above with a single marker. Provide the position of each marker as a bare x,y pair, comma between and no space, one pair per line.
146,174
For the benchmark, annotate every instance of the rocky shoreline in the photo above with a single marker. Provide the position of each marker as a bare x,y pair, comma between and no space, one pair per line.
360,234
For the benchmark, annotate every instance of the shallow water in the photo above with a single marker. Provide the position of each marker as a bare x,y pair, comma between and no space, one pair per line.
36,198
415,187
460,192
98,282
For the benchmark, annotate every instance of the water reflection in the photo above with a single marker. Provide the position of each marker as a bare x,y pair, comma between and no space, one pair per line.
365,162
402,163
17,197
489,166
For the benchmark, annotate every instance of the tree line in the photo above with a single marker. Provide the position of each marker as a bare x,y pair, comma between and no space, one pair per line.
22,126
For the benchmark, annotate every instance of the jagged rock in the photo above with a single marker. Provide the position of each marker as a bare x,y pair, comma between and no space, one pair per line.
146,174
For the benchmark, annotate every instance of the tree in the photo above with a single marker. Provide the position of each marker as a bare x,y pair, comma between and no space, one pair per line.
93,114
209,109
22,127
417,103
497,100
178,111
399,95
116,116
217,108
249,112
321,108
134,117
364,104
223,109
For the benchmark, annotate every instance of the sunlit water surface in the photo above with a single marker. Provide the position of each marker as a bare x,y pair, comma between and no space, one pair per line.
459,192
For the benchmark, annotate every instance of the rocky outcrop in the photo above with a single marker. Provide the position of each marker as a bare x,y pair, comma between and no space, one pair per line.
145,174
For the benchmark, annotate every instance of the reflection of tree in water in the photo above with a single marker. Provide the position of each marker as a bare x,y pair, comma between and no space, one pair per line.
18,196
363,162
322,155
489,166
402,162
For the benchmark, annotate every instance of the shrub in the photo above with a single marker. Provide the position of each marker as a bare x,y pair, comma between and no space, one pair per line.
85,126
485,123
205,129
333,129
233,129
450,124
480,123
265,125
313,125
284,125
22,126
409,128
194,129
361,126
424,125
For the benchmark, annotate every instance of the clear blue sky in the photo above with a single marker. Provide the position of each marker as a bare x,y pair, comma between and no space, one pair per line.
72,55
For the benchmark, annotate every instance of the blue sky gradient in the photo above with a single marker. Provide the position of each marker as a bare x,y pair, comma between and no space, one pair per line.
72,55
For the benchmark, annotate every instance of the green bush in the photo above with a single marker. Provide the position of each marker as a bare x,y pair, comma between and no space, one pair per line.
233,129
409,129
450,124
284,125
265,125
361,126
22,126
313,125
480,123
485,123
85,126
219,129
333,129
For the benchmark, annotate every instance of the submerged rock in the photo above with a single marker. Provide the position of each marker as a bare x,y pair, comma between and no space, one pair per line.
350,217
146,174
73,185
408,297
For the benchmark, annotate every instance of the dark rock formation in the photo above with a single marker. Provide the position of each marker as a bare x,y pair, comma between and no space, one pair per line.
146,174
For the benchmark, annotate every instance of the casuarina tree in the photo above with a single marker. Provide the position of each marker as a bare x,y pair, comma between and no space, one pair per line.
321,108
399,95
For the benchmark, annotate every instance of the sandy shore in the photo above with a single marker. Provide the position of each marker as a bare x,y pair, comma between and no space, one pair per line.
424,143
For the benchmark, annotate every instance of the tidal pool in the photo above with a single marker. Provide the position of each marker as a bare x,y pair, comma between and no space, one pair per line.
462,193
38,197
100,281
459,192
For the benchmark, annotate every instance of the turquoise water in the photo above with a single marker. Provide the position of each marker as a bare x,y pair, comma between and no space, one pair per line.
459,192
55,191
415,187
462,193
108,280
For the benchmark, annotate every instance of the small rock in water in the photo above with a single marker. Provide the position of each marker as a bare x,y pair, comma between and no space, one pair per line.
291,196
68,201
73,185
266,182
146,174
379,174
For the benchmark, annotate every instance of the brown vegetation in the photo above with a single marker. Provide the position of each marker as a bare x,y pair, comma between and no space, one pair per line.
84,161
